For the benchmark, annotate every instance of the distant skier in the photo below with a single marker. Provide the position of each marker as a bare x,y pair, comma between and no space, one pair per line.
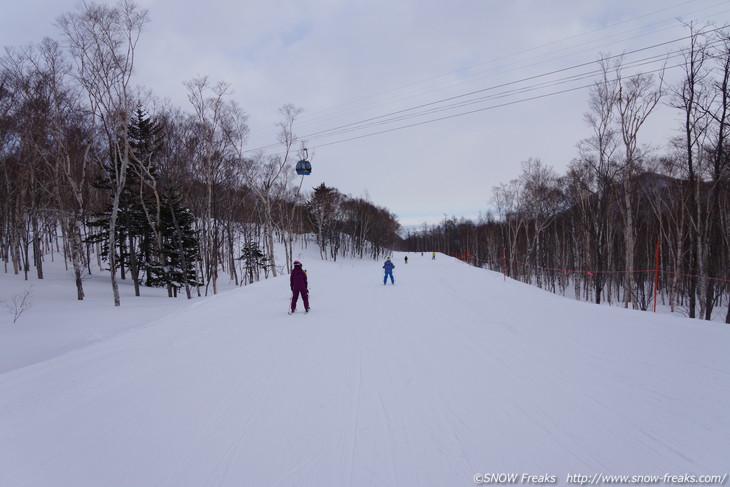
433,255
388,266
406,259
298,283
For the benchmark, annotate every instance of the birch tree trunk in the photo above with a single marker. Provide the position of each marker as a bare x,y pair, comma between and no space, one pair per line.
102,41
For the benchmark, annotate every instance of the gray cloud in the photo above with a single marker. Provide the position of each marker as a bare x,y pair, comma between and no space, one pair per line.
346,62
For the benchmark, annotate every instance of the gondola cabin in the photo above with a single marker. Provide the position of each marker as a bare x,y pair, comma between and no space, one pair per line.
304,168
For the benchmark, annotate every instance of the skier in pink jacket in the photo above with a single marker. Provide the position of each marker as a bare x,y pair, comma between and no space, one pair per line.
298,283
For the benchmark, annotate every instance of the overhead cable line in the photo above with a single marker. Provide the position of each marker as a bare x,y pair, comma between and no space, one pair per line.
411,112
541,58
492,107
438,105
521,90
309,121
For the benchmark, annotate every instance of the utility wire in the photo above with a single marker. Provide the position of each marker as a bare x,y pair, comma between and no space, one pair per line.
491,107
541,59
412,112
308,120
399,116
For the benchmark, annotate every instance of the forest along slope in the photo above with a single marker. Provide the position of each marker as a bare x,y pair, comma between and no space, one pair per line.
450,372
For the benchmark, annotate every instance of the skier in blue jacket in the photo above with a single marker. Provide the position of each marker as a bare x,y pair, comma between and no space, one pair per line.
388,266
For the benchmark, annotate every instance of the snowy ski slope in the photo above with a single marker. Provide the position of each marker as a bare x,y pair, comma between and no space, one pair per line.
450,373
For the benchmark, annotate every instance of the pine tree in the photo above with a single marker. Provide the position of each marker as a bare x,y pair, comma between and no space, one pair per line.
253,260
145,136
180,250
137,247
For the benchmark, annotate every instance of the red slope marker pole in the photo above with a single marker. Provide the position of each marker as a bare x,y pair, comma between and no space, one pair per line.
656,273
504,265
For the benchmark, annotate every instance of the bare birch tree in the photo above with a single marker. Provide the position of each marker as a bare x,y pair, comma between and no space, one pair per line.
221,131
688,96
638,96
719,113
597,154
269,176
102,41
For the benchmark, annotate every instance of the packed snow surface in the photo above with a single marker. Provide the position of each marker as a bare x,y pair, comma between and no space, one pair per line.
450,373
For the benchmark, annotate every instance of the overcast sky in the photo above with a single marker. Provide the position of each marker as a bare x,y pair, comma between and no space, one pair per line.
422,105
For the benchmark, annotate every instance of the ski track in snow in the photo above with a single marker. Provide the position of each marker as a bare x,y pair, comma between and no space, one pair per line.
448,373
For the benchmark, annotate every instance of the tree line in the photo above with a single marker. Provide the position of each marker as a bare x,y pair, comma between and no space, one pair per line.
596,227
99,171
